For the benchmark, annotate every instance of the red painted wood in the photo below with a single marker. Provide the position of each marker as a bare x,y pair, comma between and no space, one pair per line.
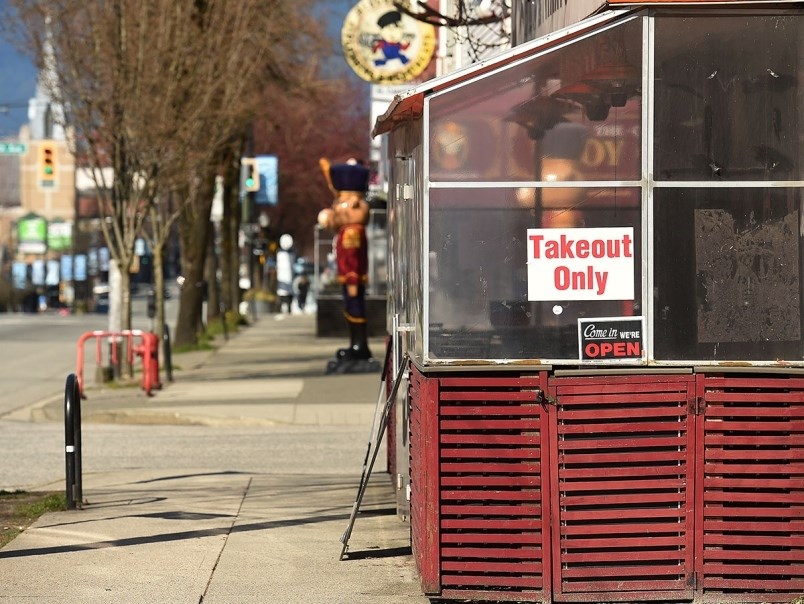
606,514
510,580
491,468
601,414
491,524
424,480
526,396
625,427
492,439
511,382
623,571
624,442
750,527
754,584
769,383
615,464
494,567
673,498
529,452
624,457
620,479
514,553
493,510
670,543
611,396
491,481
781,441
530,410
623,485
491,435
488,424
504,538
489,494
626,586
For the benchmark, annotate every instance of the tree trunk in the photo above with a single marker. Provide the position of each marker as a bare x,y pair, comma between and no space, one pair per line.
230,249
194,231
211,270
159,291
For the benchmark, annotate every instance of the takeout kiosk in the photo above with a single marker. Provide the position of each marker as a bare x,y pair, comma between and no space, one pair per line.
596,252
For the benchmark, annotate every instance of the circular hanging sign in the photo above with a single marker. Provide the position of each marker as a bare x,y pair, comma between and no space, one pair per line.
385,46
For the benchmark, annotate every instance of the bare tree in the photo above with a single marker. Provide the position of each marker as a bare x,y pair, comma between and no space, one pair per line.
235,49
479,26
157,90
329,120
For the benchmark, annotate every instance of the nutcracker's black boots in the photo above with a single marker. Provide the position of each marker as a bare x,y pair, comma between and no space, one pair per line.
358,343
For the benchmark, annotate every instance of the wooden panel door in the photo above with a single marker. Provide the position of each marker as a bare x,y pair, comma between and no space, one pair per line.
491,465
621,486
750,546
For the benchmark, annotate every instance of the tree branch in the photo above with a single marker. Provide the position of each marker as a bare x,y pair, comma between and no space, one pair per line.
437,19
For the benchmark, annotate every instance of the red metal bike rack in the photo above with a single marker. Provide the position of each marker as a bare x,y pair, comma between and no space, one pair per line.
148,349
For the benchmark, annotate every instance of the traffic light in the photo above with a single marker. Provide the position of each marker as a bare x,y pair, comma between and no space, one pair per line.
249,175
47,163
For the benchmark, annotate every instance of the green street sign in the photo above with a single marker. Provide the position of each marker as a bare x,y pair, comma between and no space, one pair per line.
12,148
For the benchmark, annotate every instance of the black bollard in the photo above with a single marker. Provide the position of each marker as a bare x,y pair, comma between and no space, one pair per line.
72,443
166,349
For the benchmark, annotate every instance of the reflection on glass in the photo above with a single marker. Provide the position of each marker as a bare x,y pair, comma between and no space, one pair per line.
729,97
580,103
728,266
479,276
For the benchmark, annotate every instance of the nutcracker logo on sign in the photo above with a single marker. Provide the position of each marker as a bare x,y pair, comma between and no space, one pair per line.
385,46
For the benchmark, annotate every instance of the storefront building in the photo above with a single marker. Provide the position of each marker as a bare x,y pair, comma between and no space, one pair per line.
596,271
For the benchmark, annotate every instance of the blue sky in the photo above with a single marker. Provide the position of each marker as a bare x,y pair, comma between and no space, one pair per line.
18,74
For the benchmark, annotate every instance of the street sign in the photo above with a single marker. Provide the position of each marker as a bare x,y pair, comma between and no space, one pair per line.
12,148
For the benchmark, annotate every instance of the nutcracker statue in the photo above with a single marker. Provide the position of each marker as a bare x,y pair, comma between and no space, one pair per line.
347,217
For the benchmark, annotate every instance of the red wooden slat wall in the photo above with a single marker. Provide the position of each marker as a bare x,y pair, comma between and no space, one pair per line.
492,522
622,488
424,450
622,509
751,489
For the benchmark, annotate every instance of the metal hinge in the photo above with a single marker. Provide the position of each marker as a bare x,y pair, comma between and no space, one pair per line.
544,400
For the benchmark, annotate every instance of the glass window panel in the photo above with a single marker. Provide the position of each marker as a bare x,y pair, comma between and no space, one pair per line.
728,274
405,235
729,98
479,271
578,106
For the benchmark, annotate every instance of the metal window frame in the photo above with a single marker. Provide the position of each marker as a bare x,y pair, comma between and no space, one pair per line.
647,184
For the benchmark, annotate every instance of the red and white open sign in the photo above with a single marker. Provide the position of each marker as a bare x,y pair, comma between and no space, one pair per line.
581,264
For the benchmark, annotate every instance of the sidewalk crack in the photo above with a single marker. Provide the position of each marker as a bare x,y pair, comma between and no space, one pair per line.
225,541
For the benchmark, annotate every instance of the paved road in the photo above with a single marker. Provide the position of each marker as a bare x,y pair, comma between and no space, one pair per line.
37,352
32,453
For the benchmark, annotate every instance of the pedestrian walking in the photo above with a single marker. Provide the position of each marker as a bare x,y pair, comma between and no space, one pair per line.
302,287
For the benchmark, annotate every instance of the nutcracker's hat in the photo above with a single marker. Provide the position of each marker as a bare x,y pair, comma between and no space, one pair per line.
350,176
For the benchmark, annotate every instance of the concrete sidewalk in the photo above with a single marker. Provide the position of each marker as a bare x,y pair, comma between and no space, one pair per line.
210,535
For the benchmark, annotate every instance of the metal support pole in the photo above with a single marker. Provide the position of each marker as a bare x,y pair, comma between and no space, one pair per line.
72,443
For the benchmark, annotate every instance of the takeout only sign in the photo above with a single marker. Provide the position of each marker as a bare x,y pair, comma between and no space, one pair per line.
581,264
